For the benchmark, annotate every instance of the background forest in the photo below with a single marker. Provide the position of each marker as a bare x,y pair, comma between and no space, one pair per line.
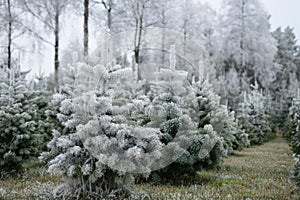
170,90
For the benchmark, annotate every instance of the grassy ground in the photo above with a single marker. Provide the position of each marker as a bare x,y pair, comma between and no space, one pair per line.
260,172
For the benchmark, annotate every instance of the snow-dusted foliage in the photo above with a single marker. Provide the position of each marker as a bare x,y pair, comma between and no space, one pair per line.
100,153
59,108
293,125
114,127
247,44
227,88
294,136
203,111
292,121
296,172
235,138
286,83
209,111
254,118
20,137
165,112
40,96
176,109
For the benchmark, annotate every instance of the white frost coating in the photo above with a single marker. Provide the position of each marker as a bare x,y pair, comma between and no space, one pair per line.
146,133
75,150
117,110
64,142
71,171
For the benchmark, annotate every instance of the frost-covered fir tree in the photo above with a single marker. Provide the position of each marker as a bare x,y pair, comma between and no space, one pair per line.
242,138
203,111
40,96
149,109
293,125
293,129
286,84
19,135
188,146
234,136
59,107
232,92
254,118
102,151
247,44
296,172
165,113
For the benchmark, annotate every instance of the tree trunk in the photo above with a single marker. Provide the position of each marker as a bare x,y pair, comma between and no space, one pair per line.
185,28
9,35
138,46
109,17
242,67
163,37
108,7
56,50
86,30
138,38
138,41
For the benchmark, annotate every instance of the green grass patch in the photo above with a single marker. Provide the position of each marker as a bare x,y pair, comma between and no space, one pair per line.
259,172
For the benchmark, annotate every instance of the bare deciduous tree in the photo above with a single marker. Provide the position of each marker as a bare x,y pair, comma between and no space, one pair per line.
49,14
11,28
86,29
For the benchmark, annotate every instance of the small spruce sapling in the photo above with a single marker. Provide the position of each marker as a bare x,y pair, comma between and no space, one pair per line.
254,117
19,136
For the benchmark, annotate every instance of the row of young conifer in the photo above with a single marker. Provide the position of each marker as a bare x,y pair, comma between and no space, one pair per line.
292,133
102,133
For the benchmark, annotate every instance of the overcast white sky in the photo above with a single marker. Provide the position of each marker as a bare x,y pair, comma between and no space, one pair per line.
283,13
